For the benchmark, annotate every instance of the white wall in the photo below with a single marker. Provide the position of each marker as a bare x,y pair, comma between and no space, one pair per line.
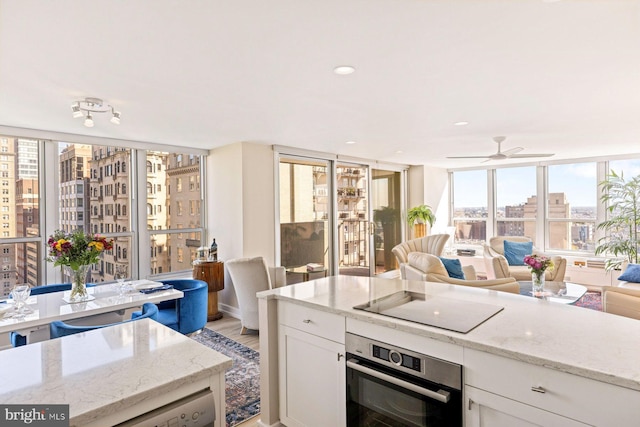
429,186
240,206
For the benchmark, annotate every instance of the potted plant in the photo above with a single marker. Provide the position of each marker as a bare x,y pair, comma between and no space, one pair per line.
387,216
418,217
622,199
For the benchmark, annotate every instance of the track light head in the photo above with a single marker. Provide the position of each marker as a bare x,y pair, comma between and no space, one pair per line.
88,122
115,118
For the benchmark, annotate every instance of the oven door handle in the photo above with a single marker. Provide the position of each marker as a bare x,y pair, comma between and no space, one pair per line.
440,395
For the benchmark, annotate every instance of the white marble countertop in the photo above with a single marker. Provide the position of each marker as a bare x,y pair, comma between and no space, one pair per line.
567,338
45,308
105,371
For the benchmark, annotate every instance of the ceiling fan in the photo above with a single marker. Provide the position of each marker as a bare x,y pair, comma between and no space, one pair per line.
511,153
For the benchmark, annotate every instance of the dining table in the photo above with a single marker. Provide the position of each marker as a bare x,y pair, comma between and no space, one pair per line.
106,304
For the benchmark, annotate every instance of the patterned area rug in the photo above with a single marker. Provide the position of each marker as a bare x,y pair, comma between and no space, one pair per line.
242,379
592,300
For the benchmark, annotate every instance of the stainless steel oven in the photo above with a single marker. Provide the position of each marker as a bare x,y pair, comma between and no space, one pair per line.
395,387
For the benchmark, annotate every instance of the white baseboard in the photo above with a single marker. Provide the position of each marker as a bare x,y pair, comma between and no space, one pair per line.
230,310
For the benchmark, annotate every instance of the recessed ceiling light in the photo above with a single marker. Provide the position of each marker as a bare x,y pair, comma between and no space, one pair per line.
350,142
461,123
399,152
343,70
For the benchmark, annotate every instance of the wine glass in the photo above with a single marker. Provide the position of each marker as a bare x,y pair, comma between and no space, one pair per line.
20,294
120,276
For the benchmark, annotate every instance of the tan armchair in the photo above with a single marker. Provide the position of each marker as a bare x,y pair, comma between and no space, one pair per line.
624,299
429,268
433,244
497,266
621,301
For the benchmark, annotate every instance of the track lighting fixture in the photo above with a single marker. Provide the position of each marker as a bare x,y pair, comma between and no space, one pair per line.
85,108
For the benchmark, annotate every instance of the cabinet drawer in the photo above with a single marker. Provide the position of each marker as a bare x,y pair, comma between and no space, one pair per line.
327,325
565,394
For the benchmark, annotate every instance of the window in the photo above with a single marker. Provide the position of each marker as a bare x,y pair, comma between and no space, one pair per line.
179,184
470,206
162,225
571,206
516,202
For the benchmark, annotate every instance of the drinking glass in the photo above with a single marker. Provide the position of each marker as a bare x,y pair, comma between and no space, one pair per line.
121,276
20,294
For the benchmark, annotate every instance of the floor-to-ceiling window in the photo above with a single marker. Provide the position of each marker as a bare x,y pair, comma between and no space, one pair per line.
174,210
516,202
572,197
555,204
470,206
386,201
91,187
353,225
305,207
21,249
335,213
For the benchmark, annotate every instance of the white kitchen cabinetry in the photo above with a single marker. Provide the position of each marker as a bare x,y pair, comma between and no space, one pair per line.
504,392
484,409
311,367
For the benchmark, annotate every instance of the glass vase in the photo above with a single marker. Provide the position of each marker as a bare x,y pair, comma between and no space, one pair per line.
537,283
78,283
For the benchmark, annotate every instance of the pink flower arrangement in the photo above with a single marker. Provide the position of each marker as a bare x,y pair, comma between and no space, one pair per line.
538,263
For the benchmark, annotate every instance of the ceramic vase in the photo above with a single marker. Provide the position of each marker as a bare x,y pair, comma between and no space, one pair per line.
78,283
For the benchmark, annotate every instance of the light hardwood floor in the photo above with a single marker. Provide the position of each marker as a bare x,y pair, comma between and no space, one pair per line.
230,328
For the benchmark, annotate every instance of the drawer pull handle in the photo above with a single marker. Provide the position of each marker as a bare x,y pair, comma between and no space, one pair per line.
538,389
306,321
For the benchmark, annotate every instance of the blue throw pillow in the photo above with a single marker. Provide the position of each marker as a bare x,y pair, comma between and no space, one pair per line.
631,274
515,252
454,267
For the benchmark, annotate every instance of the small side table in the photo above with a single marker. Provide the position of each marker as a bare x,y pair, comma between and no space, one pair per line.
211,272
306,273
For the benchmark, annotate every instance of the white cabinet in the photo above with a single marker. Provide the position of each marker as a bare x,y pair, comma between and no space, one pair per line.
484,409
311,367
501,391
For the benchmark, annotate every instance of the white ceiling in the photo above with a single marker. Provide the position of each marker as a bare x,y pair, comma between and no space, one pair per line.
554,76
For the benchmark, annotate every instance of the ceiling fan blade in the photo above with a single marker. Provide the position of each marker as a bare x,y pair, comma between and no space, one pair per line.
510,152
468,157
522,156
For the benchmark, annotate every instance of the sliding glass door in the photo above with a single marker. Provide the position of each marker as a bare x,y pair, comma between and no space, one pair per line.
386,202
340,218
353,224
305,206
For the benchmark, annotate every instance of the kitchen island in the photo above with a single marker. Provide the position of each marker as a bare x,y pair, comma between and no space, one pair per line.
112,375
534,360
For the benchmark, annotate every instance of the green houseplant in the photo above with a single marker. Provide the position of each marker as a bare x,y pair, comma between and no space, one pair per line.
419,216
622,199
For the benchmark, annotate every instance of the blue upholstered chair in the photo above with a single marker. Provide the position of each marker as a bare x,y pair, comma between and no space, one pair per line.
17,339
59,329
187,314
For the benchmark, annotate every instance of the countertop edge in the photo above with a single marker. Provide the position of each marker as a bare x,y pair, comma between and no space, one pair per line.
93,415
459,339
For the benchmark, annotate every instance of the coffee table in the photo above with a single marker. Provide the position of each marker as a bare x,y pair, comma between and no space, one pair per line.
560,292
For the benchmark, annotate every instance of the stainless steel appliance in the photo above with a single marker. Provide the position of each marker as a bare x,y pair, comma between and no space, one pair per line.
197,410
395,387
446,313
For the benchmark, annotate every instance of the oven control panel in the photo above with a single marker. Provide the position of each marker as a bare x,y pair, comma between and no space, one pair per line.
403,360
397,358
